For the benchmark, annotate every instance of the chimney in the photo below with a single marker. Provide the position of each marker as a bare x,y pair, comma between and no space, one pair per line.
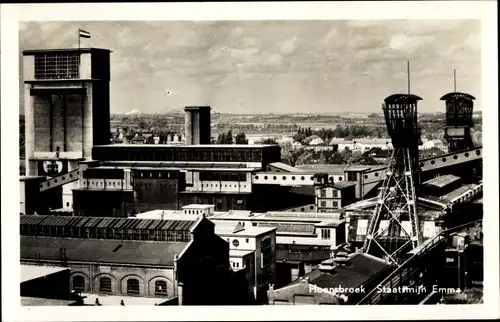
197,125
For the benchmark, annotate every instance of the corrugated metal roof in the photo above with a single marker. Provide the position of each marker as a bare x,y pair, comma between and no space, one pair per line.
61,221
105,223
31,220
144,224
82,222
50,221
121,223
93,222
74,221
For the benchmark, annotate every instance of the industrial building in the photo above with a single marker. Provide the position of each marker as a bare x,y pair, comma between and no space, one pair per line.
402,213
133,257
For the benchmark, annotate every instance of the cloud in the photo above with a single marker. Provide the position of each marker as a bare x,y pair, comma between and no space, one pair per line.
266,63
288,46
405,42
273,60
473,41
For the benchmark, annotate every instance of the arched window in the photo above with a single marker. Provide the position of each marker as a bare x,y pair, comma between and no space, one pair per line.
133,286
161,288
105,285
78,283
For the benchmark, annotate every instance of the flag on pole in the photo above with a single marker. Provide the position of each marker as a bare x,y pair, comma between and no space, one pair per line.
83,34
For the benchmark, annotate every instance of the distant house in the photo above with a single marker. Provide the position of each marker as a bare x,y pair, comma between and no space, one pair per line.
361,145
313,140
432,144
138,139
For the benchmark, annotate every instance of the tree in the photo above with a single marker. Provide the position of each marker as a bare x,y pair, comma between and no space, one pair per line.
241,138
229,137
269,141
221,139
225,138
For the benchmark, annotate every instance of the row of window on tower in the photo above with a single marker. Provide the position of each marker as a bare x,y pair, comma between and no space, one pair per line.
172,153
223,176
57,65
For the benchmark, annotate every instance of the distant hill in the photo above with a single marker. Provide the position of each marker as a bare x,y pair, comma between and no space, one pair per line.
133,112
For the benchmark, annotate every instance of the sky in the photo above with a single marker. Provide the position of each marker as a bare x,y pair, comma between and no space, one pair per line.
275,66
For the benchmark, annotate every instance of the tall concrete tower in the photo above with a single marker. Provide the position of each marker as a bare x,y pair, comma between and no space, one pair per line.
66,108
197,124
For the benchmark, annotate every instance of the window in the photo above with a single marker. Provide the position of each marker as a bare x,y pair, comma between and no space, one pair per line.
323,204
247,240
105,285
161,288
352,176
335,204
323,193
133,286
362,227
65,65
236,243
325,233
78,284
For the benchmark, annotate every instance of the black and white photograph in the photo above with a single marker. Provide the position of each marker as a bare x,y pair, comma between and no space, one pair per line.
251,162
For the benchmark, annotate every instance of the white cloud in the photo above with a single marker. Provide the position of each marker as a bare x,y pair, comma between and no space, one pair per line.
408,43
288,46
473,41
274,60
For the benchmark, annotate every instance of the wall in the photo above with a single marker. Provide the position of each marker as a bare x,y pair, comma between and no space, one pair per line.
53,286
155,193
222,202
203,268
41,118
119,274
102,203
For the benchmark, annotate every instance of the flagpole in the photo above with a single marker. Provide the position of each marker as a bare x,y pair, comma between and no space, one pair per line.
78,31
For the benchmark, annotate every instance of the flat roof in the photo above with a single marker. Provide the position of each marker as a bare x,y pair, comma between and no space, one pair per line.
343,184
252,231
284,166
105,300
198,206
98,251
173,215
361,268
180,146
82,50
239,253
330,223
31,272
442,181
39,301
26,178
457,192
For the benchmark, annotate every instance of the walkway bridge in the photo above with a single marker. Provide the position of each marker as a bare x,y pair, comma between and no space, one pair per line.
413,280
370,179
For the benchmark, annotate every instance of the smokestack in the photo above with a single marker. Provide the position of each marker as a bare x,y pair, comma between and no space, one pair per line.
197,125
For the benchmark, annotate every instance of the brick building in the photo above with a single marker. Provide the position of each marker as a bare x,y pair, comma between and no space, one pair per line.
184,260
